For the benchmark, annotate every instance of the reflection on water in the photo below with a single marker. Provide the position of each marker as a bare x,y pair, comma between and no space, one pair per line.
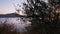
19,24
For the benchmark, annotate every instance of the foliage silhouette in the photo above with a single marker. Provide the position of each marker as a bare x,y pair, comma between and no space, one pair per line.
43,20
7,29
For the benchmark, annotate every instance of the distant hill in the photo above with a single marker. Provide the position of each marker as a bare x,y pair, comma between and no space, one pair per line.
13,15
9,15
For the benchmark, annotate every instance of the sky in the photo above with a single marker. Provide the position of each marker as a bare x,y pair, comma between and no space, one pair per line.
7,6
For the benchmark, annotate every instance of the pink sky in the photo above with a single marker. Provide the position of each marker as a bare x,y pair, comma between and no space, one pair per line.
6,6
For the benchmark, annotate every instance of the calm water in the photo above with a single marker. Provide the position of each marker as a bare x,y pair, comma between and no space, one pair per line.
19,24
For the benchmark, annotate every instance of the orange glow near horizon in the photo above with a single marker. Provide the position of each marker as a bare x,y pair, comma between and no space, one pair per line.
6,11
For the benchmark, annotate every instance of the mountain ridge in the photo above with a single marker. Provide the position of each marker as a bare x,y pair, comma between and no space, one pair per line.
9,15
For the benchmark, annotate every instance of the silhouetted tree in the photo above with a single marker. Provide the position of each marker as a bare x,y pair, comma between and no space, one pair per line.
42,19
